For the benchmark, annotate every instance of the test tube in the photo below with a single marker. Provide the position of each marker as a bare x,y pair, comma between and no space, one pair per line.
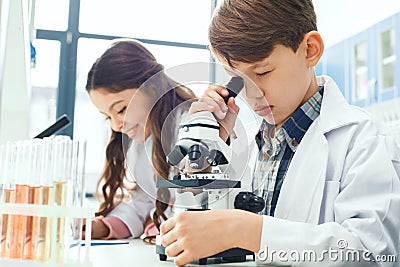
46,181
77,176
8,196
2,161
21,196
33,172
78,171
62,153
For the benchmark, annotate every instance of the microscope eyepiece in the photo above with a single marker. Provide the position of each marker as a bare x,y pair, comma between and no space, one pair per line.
195,157
194,152
234,87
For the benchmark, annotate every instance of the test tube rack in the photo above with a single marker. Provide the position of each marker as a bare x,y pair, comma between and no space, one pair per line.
54,213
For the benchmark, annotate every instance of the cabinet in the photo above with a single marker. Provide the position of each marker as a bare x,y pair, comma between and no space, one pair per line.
366,66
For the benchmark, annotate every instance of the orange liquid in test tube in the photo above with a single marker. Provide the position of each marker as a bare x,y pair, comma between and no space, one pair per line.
46,181
45,226
32,226
8,197
61,176
60,199
19,223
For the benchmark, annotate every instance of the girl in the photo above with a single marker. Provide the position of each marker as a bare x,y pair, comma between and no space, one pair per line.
130,88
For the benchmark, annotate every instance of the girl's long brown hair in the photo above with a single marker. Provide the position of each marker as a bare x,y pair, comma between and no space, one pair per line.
127,64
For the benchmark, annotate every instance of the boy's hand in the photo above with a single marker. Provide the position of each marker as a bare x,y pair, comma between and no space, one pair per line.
193,235
212,100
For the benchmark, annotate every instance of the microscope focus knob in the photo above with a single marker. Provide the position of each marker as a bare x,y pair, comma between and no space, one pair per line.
249,201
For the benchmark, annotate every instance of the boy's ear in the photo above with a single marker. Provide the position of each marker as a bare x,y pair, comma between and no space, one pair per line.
315,47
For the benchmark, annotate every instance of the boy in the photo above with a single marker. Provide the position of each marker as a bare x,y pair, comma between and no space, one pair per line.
329,174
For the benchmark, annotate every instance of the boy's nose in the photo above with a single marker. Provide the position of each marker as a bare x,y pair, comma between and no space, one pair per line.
254,92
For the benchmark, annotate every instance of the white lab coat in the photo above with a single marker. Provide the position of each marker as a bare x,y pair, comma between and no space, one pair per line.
342,189
136,210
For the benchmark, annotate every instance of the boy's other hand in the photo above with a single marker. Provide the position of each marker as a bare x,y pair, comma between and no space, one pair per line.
193,235
189,237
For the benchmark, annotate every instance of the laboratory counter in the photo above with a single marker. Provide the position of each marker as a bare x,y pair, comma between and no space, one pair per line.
138,253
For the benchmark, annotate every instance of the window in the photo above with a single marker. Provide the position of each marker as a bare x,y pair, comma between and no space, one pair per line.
51,15
172,20
360,71
172,56
89,124
177,60
44,80
388,59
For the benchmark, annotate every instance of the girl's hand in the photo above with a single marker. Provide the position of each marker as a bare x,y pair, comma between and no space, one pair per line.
213,101
99,229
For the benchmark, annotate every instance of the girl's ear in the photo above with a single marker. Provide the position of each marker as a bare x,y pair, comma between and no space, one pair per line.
314,46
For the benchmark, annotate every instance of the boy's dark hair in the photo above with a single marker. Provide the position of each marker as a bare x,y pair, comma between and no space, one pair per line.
248,30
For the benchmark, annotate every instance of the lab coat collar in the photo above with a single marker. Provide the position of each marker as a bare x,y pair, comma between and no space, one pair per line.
333,100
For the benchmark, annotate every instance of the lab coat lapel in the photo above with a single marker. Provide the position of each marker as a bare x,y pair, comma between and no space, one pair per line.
301,193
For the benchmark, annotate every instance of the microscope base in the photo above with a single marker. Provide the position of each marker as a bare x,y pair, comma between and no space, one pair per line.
230,255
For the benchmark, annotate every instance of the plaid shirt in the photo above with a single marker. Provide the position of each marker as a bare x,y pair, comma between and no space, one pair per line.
276,150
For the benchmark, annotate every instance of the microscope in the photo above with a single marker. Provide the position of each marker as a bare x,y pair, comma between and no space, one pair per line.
213,182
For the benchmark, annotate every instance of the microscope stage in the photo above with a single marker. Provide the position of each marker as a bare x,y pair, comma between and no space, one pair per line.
199,183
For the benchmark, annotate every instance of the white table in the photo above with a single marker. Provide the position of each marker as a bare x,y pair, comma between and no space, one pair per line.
137,253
